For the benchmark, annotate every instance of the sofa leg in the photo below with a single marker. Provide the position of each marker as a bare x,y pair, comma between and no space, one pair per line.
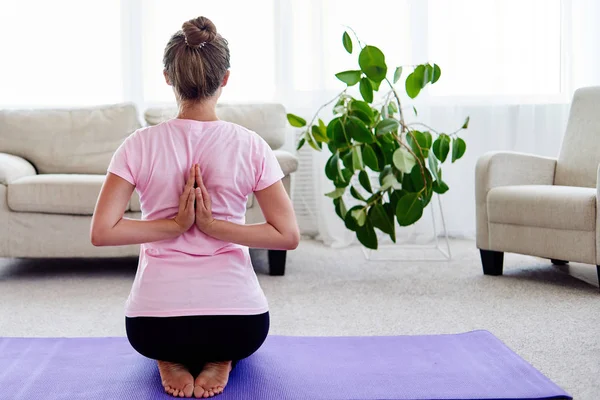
598,270
559,262
492,262
277,262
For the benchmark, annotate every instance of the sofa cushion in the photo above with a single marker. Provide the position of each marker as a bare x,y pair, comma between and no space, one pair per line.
78,141
55,194
268,120
556,207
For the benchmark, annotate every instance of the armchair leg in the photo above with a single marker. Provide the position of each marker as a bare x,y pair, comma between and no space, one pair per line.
598,270
559,262
277,262
492,262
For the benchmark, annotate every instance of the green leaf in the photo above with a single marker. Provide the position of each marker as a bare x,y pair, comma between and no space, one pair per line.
322,127
347,159
409,209
440,187
419,76
366,236
350,221
428,74
365,182
413,87
437,72
370,158
362,110
441,147
350,78
397,74
319,135
311,141
366,90
332,167
395,196
357,160
466,124
358,131
375,85
392,108
386,125
385,172
380,219
335,132
403,160
337,192
420,141
347,41
301,143
415,111
372,63
340,207
414,181
433,165
360,215
458,148
355,193
296,121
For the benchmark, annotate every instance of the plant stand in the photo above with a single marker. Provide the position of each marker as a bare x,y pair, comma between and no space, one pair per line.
419,242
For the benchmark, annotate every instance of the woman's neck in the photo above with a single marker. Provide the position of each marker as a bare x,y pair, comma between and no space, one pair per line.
199,111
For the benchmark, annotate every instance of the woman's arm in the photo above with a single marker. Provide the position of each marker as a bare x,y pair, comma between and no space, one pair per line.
110,228
279,232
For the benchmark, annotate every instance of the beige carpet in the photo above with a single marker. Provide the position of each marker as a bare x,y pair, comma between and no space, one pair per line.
549,317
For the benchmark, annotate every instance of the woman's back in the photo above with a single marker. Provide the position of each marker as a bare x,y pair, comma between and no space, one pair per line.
195,273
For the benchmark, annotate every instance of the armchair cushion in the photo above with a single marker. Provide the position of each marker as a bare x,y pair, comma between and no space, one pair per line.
13,167
496,169
55,194
555,207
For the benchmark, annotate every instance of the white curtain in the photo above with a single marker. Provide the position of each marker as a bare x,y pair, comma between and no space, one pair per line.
511,65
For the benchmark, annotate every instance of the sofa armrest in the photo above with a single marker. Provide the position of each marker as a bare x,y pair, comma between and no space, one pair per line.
504,169
14,167
287,161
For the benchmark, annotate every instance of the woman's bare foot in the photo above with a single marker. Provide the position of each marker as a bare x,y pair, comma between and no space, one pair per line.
212,380
176,379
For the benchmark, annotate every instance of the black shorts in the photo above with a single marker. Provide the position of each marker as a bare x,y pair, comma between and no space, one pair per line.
196,340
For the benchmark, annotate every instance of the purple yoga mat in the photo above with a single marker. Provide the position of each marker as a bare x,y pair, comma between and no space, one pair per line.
474,365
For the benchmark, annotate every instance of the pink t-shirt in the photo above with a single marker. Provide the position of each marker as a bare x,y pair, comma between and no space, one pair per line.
195,274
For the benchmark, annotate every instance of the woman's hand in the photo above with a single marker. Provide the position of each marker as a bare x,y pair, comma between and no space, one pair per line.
204,218
185,216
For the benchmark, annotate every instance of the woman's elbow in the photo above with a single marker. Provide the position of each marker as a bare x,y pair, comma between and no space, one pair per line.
97,237
292,240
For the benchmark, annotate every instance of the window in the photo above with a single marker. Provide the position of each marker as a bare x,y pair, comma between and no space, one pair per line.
248,26
60,53
496,47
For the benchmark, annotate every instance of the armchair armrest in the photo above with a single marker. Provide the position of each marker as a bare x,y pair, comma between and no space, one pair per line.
598,220
14,167
503,169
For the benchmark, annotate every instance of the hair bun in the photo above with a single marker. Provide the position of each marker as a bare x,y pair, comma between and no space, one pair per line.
198,31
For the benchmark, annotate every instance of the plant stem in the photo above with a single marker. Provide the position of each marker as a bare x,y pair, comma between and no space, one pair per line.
426,126
399,104
355,35
325,105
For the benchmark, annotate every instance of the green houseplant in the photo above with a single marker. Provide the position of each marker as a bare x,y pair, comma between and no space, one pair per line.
364,134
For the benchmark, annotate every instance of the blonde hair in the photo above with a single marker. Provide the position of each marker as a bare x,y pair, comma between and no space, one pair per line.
196,59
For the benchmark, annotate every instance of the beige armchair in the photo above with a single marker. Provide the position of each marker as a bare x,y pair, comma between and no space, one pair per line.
542,206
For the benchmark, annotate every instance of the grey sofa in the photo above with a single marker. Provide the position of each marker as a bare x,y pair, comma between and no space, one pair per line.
53,164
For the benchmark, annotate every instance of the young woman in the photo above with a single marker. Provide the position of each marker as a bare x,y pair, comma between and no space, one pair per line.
196,305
